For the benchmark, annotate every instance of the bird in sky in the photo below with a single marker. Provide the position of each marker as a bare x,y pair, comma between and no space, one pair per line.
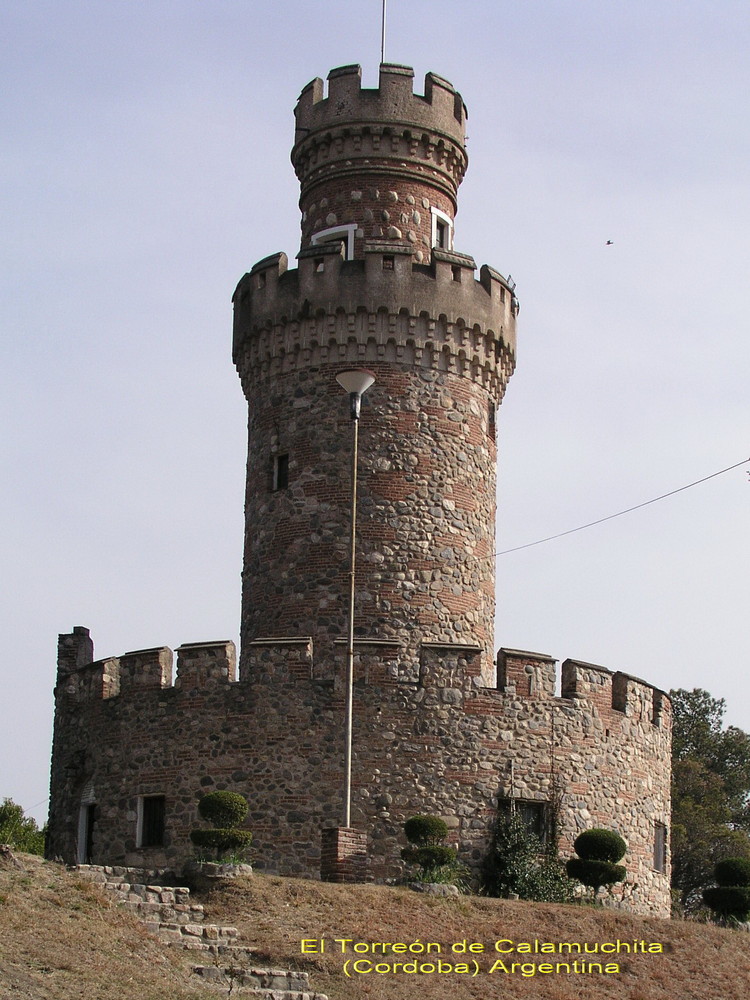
609,243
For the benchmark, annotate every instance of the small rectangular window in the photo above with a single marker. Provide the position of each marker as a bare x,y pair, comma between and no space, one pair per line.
456,273
151,821
660,847
534,815
280,472
441,234
491,424
320,265
388,262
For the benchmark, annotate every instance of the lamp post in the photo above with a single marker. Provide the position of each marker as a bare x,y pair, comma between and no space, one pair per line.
356,382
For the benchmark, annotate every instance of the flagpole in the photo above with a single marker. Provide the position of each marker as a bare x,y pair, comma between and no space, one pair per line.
382,35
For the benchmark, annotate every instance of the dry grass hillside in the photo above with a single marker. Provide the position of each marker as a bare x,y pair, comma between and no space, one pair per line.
61,938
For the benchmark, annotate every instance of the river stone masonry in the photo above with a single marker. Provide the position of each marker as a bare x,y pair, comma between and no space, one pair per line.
441,724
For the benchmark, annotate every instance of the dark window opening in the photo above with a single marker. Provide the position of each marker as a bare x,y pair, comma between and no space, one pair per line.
90,824
280,479
320,264
456,273
388,262
660,847
534,815
491,421
442,231
152,821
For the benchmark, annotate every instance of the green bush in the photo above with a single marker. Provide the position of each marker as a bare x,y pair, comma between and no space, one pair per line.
437,863
600,845
223,809
226,810
595,873
733,872
425,831
729,901
228,841
432,856
519,865
19,831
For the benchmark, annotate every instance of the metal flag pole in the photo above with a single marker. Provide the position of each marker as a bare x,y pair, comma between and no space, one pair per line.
382,35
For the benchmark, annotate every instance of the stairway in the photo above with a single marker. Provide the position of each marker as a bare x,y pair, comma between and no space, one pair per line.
167,912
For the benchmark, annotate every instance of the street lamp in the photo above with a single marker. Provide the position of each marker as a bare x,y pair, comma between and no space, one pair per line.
355,381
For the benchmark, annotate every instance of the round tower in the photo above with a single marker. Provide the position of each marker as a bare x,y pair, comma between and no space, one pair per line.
379,285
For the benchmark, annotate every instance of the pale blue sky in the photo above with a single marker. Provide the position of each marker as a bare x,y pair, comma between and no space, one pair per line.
145,167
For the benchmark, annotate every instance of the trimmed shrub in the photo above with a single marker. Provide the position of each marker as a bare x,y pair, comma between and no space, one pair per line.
597,850
226,810
223,809
600,845
595,874
436,862
729,901
425,831
223,841
432,856
733,871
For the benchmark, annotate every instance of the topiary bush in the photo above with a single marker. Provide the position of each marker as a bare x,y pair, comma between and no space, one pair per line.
600,845
733,871
425,830
598,850
437,862
226,810
730,899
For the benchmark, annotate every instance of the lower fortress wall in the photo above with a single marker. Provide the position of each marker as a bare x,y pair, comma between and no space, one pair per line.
442,744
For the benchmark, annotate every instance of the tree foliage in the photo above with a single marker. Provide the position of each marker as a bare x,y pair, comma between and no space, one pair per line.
18,830
710,793
518,864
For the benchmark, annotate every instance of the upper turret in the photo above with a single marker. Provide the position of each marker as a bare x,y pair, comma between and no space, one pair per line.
381,164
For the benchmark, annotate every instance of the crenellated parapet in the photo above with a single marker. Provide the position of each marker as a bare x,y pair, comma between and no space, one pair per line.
382,308
432,733
407,149
142,670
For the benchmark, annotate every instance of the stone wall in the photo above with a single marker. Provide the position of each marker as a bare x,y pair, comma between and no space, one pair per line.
430,739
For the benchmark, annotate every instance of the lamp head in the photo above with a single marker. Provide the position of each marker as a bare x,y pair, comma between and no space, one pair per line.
355,381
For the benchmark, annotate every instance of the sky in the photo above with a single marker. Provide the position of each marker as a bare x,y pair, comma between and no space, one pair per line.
144,167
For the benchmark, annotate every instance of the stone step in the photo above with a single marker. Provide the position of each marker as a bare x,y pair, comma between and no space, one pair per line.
167,912
269,984
164,912
196,936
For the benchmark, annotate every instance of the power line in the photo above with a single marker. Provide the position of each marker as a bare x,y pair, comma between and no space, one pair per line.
609,517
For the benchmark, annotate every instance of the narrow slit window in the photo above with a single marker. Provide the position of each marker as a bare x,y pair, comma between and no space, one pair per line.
280,472
660,847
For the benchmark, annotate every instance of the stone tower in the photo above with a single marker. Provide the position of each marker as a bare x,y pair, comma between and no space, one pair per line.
436,728
378,285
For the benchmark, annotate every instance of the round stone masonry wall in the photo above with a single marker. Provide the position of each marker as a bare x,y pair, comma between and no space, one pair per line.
426,505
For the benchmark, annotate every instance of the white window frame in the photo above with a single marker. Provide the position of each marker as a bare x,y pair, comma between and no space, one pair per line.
437,215
345,233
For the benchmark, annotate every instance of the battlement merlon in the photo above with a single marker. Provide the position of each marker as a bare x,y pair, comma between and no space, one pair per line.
199,664
441,109
440,307
615,692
